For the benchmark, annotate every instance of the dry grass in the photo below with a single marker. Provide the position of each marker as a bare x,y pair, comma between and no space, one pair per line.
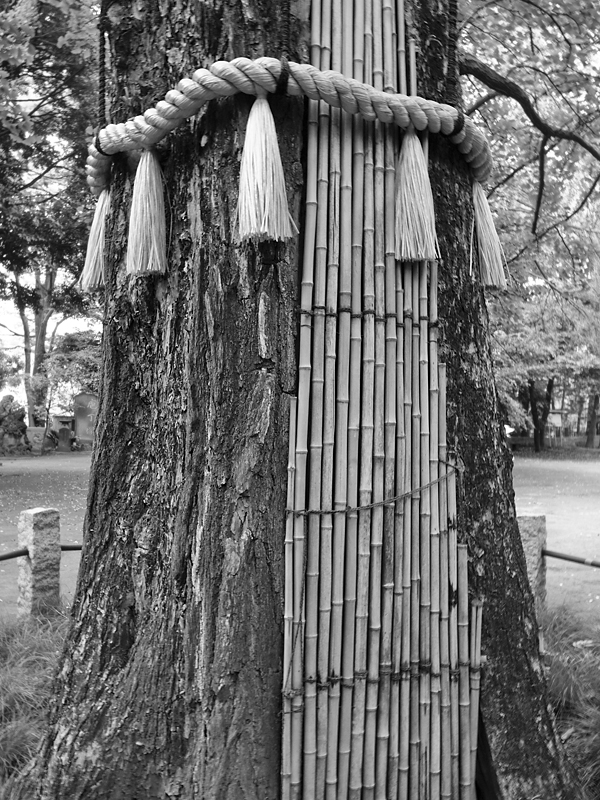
573,663
29,652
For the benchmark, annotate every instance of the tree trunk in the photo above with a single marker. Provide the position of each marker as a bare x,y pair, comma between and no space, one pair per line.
593,403
170,683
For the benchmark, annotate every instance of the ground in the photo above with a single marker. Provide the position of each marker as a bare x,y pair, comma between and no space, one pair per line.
564,486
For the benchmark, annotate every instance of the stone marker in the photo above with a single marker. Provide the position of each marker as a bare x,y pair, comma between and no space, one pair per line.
533,536
39,572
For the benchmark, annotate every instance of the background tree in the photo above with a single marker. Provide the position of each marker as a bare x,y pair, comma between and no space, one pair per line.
73,366
45,92
170,683
531,77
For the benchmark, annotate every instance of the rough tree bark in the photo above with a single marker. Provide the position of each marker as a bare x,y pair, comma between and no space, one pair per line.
170,683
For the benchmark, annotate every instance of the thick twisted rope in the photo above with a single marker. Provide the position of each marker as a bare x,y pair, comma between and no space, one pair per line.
226,78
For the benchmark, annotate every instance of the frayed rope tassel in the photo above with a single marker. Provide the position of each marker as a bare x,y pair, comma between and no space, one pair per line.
491,258
92,275
146,248
262,209
416,238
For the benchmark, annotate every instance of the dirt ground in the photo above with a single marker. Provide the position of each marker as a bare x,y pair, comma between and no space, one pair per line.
566,490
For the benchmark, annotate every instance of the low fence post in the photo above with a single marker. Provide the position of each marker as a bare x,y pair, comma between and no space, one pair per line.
533,535
39,572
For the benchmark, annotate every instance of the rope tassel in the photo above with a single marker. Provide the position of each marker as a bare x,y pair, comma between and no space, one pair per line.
146,250
92,276
262,209
416,238
491,258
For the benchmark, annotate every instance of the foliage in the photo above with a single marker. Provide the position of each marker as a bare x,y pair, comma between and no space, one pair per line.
542,64
573,671
46,93
11,367
28,655
73,366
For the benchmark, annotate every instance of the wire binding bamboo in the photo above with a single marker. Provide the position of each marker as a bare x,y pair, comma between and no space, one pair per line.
463,680
288,614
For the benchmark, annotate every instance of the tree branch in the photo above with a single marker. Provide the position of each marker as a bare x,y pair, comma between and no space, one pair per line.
469,65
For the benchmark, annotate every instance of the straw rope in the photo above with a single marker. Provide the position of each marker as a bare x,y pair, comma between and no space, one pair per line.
225,79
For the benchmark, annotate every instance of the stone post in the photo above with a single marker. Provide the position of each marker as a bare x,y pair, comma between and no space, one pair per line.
533,536
39,572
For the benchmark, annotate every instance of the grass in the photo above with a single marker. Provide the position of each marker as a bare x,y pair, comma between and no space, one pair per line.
573,670
29,652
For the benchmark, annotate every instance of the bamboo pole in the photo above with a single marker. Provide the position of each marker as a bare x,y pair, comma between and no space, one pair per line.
446,721
463,680
434,473
407,539
351,564
342,59
288,614
388,747
425,537
315,254
366,450
327,209
453,625
475,658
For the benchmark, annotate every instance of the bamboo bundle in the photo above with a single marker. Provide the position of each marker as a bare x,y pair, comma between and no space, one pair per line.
288,613
445,703
475,659
351,563
435,766
463,680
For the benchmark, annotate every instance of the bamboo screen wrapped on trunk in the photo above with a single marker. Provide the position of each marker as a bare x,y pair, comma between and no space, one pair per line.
381,657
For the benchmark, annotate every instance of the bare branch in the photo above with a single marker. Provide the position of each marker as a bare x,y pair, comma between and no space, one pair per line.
493,80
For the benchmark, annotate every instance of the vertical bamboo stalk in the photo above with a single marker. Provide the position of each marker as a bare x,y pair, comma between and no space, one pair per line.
342,60
463,680
446,721
366,450
425,534
415,741
435,747
351,564
315,250
453,625
388,747
407,556
288,614
475,658
329,209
